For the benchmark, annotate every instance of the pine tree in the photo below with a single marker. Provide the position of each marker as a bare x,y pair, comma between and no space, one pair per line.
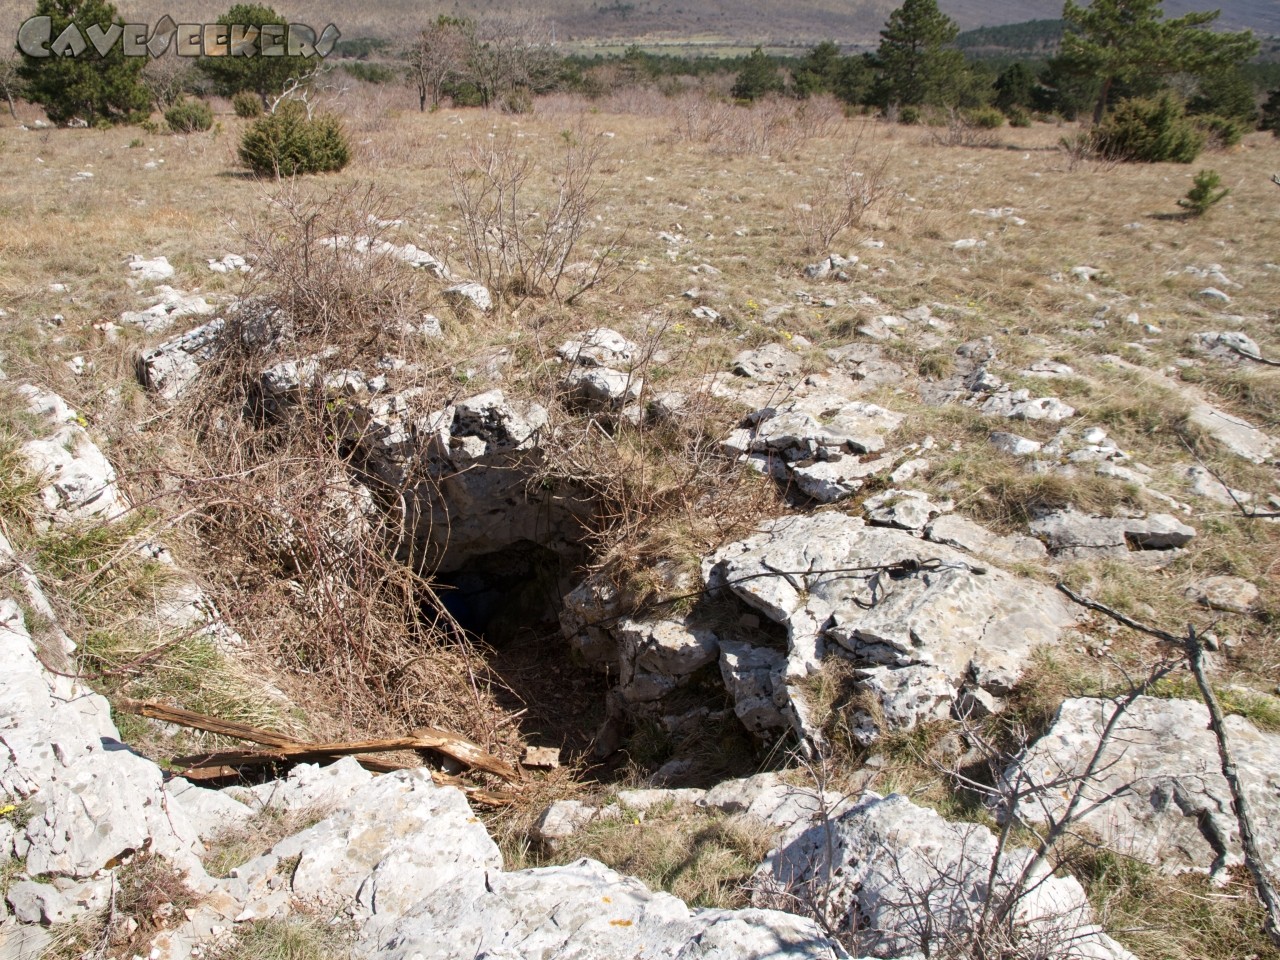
1014,87
257,74
1271,113
89,86
1128,41
916,65
758,76
818,70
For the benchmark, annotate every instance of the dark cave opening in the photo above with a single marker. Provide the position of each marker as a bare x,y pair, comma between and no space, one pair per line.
508,603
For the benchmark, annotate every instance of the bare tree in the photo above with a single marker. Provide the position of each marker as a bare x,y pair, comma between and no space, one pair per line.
309,88
167,78
509,52
437,55
10,83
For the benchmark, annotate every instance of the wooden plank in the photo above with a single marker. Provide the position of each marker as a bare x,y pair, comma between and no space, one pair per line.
196,721
425,738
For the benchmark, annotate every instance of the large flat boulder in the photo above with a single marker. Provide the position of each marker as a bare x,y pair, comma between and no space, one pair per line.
898,880
1157,792
586,911
883,597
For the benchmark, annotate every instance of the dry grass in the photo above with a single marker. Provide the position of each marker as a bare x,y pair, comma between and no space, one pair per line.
1162,917
723,184
257,835
703,857
297,937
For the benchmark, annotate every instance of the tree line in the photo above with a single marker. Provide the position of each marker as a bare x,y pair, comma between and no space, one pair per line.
1110,52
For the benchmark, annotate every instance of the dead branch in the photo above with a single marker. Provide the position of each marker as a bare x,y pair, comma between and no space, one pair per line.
1217,722
288,749
1244,819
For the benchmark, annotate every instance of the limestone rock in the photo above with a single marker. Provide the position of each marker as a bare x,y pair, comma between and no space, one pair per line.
149,271
754,677
307,787
1020,405
77,480
603,386
394,842
1204,484
1176,811
1071,534
600,347
904,509
822,423
208,811
907,696
174,365
472,295
769,799
1237,435
957,531
1158,531
588,912
585,615
671,647
970,625
863,362
1013,444
95,801
772,363
1230,345
167,308
643,801
830,480
562,819
1232,594
897,880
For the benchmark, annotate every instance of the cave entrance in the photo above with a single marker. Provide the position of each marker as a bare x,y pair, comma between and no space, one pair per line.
508,602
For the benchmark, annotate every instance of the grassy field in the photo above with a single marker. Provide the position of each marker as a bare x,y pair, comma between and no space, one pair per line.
714,205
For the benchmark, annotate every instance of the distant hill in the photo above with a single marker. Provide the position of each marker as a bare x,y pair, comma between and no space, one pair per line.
713,24
1034,37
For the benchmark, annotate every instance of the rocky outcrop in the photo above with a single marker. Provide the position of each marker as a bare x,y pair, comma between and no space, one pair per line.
1157,791
884,598
815,441
588,911
898,880
170,368
77,482
94,801
1073,535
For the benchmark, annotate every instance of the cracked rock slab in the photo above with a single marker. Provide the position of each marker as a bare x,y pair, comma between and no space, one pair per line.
896,880
805,573
824,424
1159,789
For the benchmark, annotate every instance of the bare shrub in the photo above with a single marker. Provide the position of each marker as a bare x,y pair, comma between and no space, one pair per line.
307,550
961,130
1082,151
168,79
842,200
519,242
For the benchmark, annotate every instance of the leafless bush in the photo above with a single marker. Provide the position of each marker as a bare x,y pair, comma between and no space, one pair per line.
1081,151
306,547
322,258
770,125
843,199
523,244
167,78
961,131
964,893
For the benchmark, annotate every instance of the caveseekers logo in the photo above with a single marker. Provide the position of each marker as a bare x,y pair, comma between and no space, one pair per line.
36,39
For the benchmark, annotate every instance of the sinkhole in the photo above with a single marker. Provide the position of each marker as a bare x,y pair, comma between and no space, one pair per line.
507,602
